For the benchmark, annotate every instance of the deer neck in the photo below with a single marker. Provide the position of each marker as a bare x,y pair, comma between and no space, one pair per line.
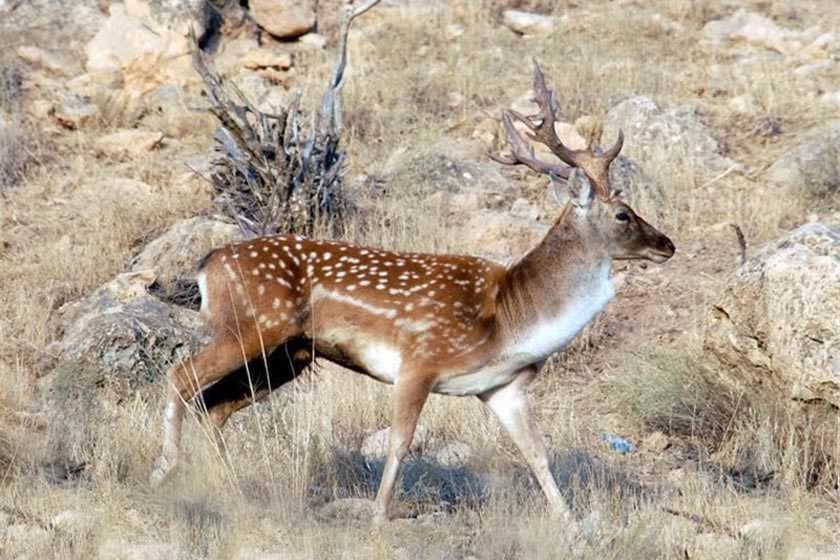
550,294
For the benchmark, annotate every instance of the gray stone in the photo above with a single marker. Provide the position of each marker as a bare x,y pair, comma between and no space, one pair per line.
110,347
170,109
674,135
452,454
757,29
776,324
375,446
127,143
124,39
813,166
75,113
527,23
174,255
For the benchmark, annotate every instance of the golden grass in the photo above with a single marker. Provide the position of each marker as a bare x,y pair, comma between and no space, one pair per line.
63,232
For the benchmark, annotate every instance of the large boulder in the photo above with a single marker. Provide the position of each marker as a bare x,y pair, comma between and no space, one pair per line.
174,254
285,19
652,134
813,166
109,347
124,39
776,325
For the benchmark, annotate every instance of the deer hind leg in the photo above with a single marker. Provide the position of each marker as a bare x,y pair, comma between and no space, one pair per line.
510,405
224,354
252,383
410,394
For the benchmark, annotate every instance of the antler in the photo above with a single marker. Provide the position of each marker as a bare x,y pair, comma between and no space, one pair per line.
522,153
594,163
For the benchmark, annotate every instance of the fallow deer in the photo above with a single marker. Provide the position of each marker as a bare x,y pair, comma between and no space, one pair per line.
425,323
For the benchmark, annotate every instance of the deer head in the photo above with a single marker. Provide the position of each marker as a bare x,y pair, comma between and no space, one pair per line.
605,222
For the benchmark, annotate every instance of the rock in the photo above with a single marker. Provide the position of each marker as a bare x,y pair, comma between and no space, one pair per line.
40,58
74,113
41,109
656,442
285,19
118,550
527,23
666,24
313,40
123,39
485,131
121,187
498,235
775,326
712,545
172,15
170,109
524,210
175,254
109,347
757,29
128,143
745,104
347,509
375,446
253,85
258,59
91,84
831,98
641,191
452,454
676,135
807,70
813,166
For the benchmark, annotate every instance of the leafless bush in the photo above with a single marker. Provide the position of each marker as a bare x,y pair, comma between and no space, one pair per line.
272,173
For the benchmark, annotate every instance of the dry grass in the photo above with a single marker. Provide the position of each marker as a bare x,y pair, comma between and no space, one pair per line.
65,230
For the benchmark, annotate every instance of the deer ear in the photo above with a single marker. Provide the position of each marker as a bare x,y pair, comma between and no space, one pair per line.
580,189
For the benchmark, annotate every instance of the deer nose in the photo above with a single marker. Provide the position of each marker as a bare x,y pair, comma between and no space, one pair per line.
669,246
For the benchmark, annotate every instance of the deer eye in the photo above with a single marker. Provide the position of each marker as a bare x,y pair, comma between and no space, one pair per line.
622,216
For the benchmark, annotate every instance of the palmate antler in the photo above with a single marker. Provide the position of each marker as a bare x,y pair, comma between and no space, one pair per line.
593,162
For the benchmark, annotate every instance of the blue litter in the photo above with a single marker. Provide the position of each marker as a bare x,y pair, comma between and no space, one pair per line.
618,444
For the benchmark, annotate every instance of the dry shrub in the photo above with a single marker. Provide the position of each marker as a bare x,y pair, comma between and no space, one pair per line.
758,435
676,394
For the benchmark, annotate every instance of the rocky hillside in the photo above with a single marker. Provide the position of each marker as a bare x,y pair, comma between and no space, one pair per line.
696,418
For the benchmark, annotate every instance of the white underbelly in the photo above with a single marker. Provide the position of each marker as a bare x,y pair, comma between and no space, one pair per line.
481,380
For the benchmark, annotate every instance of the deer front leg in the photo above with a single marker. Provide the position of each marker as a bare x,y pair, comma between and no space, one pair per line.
410,394
510,405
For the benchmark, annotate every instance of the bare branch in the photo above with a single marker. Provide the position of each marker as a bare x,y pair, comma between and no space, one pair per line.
273,173
330,117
